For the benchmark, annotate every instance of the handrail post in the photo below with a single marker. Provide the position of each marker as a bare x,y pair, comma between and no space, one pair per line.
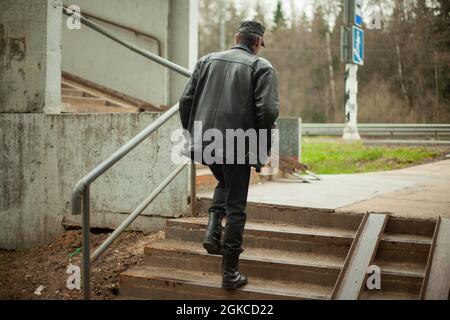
193,188
137,212
86,244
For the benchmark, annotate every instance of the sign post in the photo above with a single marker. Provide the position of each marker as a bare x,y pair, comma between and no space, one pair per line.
351,105
352,54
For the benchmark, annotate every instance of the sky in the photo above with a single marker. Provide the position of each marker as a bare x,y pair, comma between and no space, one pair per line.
270,5
301,6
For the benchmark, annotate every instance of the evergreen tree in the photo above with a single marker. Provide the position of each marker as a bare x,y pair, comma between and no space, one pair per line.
279,18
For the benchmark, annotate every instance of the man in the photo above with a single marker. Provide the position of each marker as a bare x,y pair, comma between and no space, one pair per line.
234,89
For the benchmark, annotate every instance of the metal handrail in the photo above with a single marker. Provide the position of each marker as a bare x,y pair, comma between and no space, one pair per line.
155,58
133,216
81,192
127,28
378,129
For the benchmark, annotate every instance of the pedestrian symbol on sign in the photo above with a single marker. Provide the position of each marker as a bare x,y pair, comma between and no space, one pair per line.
358,46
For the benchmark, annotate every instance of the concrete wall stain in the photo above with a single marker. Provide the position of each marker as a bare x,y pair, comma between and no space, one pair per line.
18,193
2,42
17,49
2,62
22,74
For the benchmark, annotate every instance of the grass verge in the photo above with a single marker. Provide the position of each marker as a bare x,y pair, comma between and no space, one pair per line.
338,157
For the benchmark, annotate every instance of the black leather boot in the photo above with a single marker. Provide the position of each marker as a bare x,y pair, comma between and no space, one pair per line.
211,241
231,277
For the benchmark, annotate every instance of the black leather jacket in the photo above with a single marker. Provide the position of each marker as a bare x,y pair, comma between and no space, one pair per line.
234,89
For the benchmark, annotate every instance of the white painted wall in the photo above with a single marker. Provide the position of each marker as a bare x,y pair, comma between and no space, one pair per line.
43,157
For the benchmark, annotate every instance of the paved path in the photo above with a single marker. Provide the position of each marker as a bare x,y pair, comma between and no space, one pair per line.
421,192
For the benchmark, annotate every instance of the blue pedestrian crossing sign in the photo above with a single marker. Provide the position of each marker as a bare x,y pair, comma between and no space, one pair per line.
358,46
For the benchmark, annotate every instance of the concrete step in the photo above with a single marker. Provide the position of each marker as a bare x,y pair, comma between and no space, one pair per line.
292,215
178,284
290,253
401,268
405,242
289,266
290,237
402,259
411,227
395,281
405,256
382,295
401,278
407,249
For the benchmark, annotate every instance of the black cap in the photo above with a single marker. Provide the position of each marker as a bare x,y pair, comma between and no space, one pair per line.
253,27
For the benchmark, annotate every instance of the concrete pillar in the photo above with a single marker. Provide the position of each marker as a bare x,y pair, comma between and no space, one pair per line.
30,56
183,42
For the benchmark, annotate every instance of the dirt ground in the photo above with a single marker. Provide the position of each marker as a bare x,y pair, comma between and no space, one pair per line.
23,272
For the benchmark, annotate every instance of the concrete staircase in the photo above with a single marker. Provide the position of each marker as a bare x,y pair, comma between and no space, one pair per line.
290,253
82,96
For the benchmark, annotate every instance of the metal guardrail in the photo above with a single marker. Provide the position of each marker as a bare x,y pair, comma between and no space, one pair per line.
81,192
393,130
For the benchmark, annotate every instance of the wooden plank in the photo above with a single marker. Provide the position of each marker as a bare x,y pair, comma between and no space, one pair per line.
436,285
112,96
361,254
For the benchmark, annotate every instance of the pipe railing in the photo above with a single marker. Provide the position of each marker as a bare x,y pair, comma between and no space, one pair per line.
377,129
127,28
81,192
147,54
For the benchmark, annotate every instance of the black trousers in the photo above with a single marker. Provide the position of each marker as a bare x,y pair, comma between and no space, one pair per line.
230,196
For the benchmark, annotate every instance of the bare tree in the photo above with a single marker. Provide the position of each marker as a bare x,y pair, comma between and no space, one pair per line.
406,76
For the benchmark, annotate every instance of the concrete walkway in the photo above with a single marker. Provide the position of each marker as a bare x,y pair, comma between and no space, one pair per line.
421,192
